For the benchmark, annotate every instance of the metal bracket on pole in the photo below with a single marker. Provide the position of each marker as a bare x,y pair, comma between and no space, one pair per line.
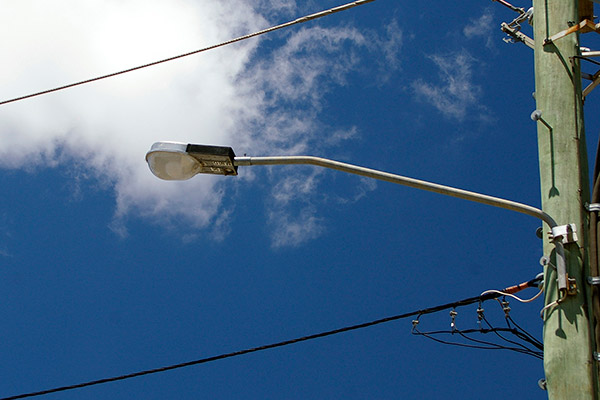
564,233
595,82
594,280
585,26
571,286
594,207
596,356
516,36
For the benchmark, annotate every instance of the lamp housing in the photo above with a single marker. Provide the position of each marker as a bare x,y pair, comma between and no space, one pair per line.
181,161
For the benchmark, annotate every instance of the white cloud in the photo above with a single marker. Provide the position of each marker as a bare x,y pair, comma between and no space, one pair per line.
295,80
366,185
391,46
456,93
483,27
291,230
225,96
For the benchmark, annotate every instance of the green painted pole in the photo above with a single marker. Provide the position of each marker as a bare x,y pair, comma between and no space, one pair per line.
568,356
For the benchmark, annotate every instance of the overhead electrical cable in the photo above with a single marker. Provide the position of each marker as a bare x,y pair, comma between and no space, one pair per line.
516,346
515,332
508,5
526,336
515,297
483,344
430,310
238,39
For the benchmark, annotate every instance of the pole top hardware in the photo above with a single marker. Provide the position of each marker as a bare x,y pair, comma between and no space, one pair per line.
585,26
513,28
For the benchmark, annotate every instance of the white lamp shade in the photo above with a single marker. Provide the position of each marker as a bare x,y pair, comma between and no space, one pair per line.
170,161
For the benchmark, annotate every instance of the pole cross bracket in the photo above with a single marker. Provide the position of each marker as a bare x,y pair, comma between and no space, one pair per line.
566,233
516,36
585,26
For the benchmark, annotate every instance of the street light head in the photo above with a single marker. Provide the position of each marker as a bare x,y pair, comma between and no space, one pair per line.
170,161
180,161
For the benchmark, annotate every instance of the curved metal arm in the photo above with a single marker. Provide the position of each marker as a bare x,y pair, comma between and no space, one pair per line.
402,180
424,185
180,161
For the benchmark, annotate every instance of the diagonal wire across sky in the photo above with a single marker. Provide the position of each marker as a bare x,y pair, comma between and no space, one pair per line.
296,21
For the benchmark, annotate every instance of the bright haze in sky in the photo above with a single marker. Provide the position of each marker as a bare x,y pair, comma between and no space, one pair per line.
260,104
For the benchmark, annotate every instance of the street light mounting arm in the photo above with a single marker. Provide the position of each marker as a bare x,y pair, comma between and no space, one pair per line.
180,161
399,179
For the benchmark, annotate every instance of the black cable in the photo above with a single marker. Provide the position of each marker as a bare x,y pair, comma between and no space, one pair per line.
587,59
472,346
531,339
238,39
483,345
471,330
525,336
505,339
430,310
520,349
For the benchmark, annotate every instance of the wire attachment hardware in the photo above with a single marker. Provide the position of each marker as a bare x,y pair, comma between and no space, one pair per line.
480,315
571,286
480,311
453,315
593,207
566,233
506,309
514,35
594,280
585,26
513,29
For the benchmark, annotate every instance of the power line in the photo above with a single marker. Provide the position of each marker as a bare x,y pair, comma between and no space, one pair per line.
238,39
430,310
482,344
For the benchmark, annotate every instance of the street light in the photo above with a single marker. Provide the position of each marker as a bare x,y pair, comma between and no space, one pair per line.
180,161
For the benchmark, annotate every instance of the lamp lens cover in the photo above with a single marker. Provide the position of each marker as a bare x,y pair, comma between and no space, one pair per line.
172,166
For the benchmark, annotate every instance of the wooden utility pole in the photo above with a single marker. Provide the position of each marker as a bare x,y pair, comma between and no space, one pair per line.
568,349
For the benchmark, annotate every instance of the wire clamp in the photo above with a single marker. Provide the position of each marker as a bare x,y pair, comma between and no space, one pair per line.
594,280
506,309
480,312
571,286
566,233
592,207
453,315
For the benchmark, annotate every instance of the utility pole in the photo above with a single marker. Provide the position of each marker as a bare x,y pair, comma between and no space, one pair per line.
570,368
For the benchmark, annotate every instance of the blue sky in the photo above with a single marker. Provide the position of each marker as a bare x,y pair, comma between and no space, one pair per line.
106,270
